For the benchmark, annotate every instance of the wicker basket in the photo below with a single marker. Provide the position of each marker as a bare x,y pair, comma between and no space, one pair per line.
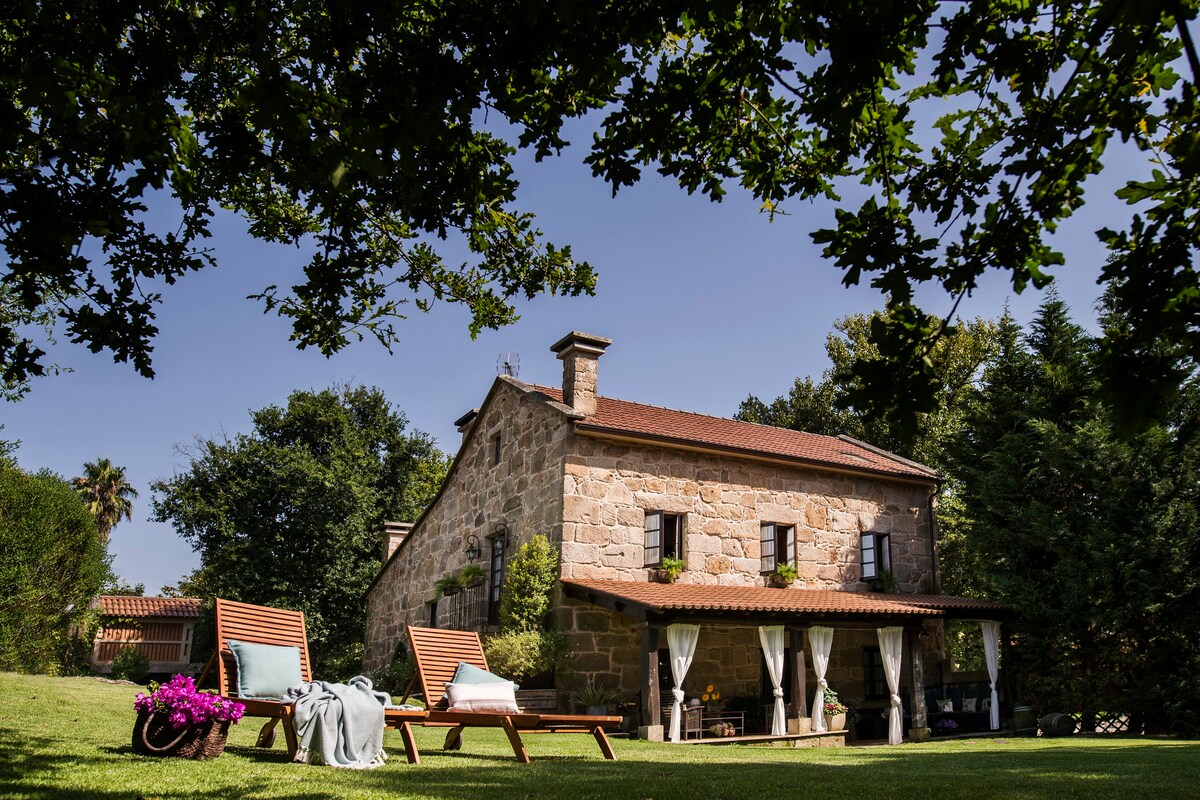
154,736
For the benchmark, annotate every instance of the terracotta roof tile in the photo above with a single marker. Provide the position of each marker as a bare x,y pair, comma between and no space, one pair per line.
662,597
748,438
124,606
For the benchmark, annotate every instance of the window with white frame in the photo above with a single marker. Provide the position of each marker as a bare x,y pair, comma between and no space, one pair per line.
664,537
876,556
777,546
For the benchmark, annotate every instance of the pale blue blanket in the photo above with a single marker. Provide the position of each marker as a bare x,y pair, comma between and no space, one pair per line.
339,724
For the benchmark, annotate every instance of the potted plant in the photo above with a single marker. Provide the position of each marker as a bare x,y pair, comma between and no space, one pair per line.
884,582
449,584
471,575
835,711
176,719
783,576
711,698
669,571
595,697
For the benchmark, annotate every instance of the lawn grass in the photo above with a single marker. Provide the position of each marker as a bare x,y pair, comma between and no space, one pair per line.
69,738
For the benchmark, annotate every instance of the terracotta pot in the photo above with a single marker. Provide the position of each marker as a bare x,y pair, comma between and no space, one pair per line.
661,576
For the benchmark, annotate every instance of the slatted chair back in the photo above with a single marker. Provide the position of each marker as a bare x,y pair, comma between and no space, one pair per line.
259,624
437,653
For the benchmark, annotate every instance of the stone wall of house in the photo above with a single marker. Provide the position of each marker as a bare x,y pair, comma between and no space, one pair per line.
609,486
608,650
523,490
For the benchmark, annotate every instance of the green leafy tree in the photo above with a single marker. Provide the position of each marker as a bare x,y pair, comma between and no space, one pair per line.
288,514
529,585
120,586
829,406
964,132
1089,536
106,493
190,585
52,563
356,133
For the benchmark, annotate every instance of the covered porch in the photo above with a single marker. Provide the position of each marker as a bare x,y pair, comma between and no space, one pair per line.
778,650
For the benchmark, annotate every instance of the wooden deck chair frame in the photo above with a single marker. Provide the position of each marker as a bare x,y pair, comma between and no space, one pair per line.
437,653
244,622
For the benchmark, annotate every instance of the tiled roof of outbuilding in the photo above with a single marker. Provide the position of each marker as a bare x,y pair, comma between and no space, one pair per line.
622,417
126,606
666,597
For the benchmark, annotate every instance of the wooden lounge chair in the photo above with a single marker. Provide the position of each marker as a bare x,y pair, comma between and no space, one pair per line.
437,653
243,622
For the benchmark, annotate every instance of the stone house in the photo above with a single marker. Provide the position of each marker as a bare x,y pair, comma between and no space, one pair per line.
618,486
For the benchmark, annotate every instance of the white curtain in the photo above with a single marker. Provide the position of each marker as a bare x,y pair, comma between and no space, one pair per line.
681,643
891,643
820,640
991,651
771,637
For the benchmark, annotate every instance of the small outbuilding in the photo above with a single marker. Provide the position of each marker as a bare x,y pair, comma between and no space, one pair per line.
160,627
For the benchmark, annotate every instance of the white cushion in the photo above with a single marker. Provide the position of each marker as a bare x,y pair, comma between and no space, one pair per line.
499,698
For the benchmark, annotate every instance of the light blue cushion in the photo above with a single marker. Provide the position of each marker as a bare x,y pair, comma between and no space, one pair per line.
468,673
266,671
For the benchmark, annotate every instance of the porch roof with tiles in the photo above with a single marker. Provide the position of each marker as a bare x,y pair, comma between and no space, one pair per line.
661,602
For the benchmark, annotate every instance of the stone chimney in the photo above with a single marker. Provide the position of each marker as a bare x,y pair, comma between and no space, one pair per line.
579,353
392,534
466,422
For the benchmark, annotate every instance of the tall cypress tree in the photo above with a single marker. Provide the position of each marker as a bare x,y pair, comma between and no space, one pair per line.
1088,535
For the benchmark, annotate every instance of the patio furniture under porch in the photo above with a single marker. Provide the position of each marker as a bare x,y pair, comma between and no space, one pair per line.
787,636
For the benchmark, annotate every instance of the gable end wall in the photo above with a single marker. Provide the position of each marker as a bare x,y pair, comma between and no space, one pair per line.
524,491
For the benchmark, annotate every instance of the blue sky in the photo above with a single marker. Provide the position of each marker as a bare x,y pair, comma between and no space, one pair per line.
706,303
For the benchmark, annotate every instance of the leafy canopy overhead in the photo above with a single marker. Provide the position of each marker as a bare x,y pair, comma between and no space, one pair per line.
354,129
953,137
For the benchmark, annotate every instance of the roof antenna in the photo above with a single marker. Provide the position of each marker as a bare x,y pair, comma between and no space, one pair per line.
508,364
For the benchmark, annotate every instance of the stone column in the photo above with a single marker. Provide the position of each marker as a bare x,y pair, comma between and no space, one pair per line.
651,727
919,732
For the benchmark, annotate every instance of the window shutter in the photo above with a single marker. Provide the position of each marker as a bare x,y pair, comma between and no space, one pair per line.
766,562
870,564
789,545
654,521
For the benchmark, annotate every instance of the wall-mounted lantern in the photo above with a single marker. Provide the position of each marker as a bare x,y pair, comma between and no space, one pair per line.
499,536
472,549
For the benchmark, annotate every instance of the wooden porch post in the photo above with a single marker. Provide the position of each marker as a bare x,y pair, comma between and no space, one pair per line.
920,713
651,702
799,677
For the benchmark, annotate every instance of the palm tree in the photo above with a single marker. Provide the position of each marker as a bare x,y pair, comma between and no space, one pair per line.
106,493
